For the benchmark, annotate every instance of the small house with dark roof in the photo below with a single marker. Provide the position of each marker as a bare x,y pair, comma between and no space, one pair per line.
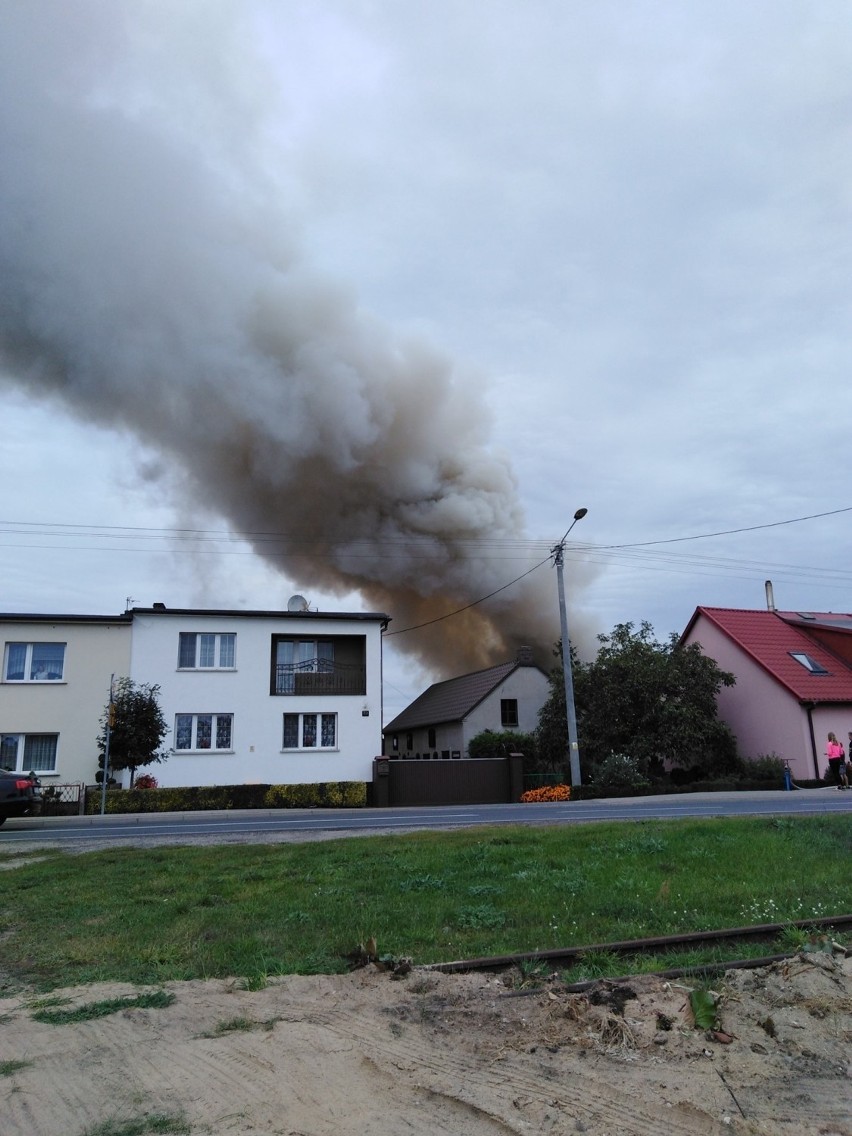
442,720
794,680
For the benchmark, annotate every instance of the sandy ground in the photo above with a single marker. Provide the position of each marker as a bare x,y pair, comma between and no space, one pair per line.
429,1053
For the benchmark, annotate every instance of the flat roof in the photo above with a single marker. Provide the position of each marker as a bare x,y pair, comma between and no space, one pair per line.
242,613
161,609
40,617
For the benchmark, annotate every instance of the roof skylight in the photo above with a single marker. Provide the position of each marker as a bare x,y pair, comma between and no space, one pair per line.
808,663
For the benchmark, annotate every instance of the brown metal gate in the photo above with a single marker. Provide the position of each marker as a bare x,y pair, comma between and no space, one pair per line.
477,781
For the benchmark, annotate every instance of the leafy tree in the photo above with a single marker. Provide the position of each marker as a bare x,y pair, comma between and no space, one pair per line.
137,727
654,702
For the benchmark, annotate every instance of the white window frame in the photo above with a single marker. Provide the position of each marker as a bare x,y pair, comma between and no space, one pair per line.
21,765
201,648
214,731
29,650
317,724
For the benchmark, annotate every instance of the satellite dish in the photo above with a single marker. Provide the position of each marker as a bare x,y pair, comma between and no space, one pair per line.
297,603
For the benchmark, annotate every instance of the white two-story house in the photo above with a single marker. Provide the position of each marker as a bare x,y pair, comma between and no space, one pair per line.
275,697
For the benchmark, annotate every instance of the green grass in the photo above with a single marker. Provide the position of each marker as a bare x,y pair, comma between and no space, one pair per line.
156,1000
8,1068
143,1126
255,911
241,1024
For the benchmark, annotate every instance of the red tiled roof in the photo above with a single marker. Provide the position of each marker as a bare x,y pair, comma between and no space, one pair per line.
770,637
451,700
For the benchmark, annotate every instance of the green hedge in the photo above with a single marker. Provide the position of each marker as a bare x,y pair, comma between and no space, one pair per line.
333,795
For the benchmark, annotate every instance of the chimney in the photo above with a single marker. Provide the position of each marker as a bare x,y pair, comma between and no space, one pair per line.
770,596
525,657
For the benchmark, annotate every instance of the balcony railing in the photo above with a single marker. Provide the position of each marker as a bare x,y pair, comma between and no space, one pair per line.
322,678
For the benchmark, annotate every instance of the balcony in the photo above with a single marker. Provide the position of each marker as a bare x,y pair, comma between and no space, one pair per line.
319,677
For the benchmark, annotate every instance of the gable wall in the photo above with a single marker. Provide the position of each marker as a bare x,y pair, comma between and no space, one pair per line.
763,715
526,684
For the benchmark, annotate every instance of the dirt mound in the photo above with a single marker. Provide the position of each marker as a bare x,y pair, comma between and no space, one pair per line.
432,1053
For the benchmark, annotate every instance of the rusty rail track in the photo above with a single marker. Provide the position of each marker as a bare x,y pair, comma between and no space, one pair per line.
565,955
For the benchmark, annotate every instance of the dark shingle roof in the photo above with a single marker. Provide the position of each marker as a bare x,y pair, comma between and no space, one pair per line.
770,638
451,700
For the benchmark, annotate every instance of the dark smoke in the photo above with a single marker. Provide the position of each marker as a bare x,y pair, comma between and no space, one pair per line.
150,279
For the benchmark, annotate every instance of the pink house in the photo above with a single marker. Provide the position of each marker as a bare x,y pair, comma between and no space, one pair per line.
794,680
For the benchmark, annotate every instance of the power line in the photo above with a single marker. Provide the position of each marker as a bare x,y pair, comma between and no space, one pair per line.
458,611
732,532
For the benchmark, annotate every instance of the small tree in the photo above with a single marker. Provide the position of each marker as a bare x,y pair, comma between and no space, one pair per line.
136,727
653,701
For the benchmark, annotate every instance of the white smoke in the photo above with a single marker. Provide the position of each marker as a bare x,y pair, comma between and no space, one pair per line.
150,277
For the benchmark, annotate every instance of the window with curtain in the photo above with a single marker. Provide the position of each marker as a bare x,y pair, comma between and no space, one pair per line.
24,752
198,732
206,650
310,731
34,662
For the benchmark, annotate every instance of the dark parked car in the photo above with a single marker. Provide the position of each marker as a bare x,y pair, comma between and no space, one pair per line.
20,794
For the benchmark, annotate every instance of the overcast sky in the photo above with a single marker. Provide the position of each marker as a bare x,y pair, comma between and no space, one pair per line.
589,254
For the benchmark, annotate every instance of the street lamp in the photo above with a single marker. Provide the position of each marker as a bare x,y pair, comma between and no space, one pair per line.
571,713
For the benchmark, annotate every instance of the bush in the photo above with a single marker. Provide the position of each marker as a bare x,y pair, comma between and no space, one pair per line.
335,794
620,770
547,793
765,767
492,744
145,781
329,795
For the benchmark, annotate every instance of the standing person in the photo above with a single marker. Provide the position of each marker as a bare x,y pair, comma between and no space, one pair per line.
834,753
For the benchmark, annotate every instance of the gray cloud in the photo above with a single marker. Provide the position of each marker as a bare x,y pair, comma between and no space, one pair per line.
150,281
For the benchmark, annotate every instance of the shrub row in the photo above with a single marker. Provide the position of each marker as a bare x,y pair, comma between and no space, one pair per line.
333,794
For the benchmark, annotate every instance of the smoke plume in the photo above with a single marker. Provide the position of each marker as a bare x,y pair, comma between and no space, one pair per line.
151,278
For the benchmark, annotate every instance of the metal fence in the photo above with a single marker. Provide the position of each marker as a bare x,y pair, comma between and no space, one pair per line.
63,800
471,781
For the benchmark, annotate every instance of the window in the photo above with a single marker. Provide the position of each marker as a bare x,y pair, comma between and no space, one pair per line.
508,712
34,662
319,666
206,651
203,732
301,657
808,663
409,742
310,731
432,738
24,752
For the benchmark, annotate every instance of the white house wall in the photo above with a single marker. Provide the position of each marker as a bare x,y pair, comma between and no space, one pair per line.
71,708
257,755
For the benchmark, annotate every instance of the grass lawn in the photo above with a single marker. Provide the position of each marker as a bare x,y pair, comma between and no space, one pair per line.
252,911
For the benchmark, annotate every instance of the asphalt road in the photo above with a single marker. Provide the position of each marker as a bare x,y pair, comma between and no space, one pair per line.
271,826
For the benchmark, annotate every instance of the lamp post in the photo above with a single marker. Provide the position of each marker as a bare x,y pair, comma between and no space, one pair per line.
571,713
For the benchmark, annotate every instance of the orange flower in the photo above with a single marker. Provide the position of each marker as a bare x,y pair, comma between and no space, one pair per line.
547,793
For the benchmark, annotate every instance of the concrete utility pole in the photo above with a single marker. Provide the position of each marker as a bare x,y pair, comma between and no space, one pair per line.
571,713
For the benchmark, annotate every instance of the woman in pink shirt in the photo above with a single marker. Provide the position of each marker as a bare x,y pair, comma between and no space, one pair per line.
836,755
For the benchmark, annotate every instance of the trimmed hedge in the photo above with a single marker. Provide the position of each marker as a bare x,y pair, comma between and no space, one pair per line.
331,795
592,792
